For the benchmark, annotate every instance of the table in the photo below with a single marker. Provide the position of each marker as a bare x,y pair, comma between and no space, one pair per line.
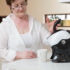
34,64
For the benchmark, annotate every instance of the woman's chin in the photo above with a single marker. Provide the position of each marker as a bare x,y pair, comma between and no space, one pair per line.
21,15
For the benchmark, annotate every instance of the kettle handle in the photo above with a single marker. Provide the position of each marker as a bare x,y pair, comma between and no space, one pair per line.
55,24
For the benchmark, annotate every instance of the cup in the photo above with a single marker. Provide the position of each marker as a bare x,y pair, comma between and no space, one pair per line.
42,55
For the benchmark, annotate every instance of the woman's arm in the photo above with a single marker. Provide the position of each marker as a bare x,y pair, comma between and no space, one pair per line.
5,53
25,55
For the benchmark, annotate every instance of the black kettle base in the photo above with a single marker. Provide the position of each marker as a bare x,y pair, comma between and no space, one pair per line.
60,60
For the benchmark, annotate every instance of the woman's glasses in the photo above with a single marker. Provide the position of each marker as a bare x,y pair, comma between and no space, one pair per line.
17,6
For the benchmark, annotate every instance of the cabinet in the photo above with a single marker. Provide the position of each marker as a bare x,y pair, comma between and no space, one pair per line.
64,27
65,19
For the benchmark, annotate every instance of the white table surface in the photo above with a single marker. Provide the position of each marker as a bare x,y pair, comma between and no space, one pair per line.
34,64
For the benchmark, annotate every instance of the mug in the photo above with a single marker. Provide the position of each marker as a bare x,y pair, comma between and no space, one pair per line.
42,55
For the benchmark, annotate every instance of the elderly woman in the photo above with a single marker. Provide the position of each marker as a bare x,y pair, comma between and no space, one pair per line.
20,34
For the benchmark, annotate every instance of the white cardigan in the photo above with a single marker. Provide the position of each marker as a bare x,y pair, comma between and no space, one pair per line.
11,41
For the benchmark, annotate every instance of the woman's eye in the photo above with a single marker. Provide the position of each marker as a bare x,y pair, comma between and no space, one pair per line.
22,4
16,6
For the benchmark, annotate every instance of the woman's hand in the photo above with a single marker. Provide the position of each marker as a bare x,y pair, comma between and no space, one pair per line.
51,24
25,55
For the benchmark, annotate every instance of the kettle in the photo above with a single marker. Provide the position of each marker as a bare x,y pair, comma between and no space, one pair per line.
60,44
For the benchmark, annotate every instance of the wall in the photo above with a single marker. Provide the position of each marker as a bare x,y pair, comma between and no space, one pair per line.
4,9
37,8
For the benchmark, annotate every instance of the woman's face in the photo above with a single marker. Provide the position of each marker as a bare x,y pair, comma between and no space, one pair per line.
19,8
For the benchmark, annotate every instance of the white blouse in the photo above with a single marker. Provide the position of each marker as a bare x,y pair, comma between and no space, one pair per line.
11,41
27,38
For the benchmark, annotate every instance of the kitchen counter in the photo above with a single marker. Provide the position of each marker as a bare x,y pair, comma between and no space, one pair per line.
34,64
